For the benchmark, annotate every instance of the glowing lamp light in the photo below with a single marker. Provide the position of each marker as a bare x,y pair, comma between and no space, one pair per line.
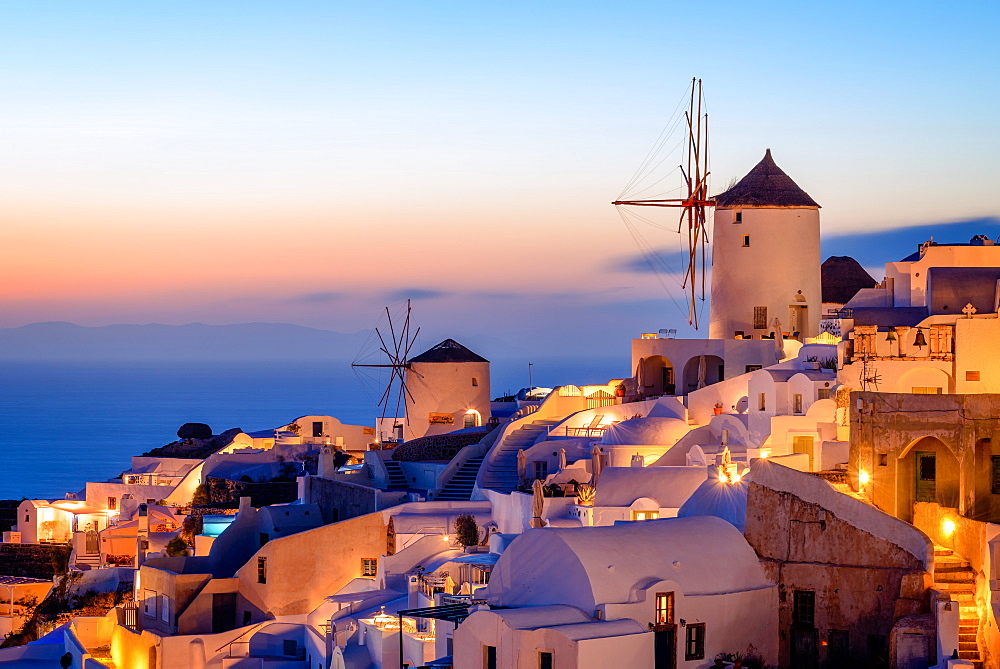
765,453
444,538
948,526
723,478
864,477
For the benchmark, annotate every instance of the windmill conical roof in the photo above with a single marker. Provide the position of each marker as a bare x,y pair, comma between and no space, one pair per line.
842,278
448,351
766,185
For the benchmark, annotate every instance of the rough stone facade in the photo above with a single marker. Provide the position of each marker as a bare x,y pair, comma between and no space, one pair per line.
840,589
33,560
340,500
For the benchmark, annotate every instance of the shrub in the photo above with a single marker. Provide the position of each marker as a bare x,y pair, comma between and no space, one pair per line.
176,547
466,530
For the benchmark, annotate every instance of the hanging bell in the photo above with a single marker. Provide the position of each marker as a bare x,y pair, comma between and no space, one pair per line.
891,336
919,341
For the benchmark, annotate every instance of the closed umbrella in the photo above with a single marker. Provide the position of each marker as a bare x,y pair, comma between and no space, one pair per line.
779,340
562,459
537,504
595,456
702,365
522,465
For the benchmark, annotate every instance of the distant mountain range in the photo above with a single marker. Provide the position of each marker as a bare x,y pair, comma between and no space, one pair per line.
66,342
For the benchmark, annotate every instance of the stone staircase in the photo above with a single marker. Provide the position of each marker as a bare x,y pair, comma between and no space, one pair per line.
459,487
91,561
397,479
953,575
501,470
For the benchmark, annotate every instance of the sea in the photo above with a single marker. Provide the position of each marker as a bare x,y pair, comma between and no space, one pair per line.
64,424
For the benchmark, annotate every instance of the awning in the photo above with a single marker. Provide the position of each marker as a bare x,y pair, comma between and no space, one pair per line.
22,580
478,558
454,613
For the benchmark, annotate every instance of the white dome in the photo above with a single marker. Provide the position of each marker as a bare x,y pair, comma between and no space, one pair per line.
645,431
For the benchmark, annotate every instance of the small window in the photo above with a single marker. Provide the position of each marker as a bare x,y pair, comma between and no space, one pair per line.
664,608
645,515
883,460
746,240
317,428
760,318
996,474
112,503
804,612
738,218
544,659
262,570
369,566
489,657
823,394
972,376
164,609
926,390
694,642
797,403
752,368
475,381
762,402
149,603
541,469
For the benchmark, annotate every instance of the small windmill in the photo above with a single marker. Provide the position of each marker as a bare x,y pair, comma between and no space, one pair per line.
694,200
395,341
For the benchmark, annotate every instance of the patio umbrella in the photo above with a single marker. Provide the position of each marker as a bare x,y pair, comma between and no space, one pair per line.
537,504
702,365
779,340
595,456
562,459
522,465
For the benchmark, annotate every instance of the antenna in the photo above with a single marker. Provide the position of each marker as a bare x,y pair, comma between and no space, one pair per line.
395,340
694,203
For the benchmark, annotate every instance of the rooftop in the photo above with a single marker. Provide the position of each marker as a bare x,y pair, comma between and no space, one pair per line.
448,351
766,185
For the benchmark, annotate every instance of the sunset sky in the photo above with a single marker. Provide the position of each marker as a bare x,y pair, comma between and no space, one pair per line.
310,162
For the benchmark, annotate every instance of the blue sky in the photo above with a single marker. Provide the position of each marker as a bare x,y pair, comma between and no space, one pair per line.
312,159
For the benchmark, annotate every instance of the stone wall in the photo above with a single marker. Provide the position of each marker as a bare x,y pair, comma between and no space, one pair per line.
261,494
340,500
861,583
33,560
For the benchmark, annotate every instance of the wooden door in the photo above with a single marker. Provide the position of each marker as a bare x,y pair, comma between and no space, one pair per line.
804,445
665,648
926,462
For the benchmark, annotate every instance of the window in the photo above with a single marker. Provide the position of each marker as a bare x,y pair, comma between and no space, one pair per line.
317,428
262,570
738,218
928,468
369,566
746,240
823,394
804,611
645,515
164,609
996,474
541,469
797,403
760,318
883,459
972,376
149,603
544,659
926,390
664,608
490,657
694,642
761,401
475,382
752,368
112,503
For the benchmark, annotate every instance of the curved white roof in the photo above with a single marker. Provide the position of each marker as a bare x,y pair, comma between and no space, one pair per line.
588,566
716,498
643,431
670,486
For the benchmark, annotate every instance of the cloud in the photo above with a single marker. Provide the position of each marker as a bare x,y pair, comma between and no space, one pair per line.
874,249
319,298
658,261
415,294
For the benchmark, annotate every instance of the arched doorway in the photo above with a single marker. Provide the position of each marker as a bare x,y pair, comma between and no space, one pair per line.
472,419
926,471
655,377
703,370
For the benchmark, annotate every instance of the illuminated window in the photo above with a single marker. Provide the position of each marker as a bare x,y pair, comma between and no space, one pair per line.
694,642
112,503
926,390
760,318
475,381
972,376
262,570
664,608
369,566
762,402
645,515
797,403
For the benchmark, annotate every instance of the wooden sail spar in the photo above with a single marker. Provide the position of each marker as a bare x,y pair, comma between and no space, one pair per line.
395,345
695,202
